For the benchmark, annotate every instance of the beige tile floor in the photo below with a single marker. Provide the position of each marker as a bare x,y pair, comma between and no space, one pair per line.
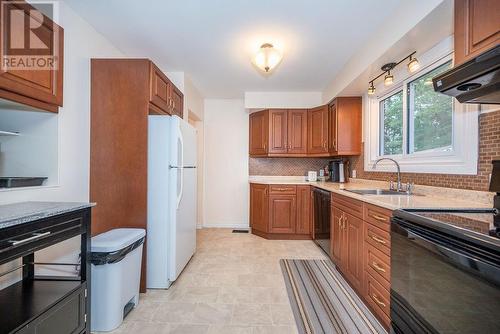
232,285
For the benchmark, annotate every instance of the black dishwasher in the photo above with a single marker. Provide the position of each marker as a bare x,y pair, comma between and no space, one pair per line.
321,220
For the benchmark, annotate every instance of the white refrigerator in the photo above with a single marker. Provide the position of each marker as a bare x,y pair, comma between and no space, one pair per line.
172,197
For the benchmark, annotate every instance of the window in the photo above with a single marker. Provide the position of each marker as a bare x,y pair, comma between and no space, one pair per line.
430,114
391,117
426,132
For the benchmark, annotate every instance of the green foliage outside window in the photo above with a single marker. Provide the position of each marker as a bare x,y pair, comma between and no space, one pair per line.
392,118
430,113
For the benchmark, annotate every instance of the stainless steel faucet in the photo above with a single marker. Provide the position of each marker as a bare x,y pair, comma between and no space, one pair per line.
399,186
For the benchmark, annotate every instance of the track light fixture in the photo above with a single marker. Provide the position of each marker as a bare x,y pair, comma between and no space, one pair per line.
413,66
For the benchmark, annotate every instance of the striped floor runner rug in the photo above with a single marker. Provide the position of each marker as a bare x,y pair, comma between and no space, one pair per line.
323,302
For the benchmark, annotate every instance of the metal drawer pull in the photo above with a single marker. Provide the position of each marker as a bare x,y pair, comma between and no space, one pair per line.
378,267
35,236
380,218
379,240
375,298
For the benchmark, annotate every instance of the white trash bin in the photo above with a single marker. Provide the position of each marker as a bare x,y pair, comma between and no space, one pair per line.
116,271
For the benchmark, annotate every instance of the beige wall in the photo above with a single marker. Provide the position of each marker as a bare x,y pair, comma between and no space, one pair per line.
226,164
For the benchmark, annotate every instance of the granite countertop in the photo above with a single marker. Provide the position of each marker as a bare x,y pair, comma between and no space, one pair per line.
424,196
25,212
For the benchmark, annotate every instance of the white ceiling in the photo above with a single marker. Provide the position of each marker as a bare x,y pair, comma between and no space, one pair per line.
212,41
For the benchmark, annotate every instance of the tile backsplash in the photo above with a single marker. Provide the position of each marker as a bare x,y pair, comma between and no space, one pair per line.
285,166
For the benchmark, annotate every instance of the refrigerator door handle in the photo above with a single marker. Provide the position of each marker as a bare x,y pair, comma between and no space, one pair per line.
181,168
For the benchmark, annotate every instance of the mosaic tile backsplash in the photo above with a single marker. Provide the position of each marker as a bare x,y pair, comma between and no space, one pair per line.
284,166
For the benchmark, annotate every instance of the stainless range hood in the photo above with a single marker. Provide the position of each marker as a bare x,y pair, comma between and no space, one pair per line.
476,81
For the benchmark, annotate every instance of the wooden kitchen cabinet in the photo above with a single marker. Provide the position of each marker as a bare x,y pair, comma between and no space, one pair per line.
477,28
259,133
297,132
329,130
259,207
39,88
280,211
278,131
347,239
317,131
177,97
164,97
352,261
345,126
304,210
337,236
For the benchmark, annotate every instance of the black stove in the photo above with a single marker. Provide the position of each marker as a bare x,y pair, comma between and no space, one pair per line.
445,268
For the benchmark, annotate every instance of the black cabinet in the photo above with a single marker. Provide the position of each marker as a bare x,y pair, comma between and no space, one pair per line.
42,304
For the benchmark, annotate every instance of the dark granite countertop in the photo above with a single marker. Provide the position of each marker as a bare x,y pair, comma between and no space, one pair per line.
25,212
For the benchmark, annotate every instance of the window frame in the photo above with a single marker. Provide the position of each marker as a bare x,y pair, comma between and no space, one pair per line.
460,159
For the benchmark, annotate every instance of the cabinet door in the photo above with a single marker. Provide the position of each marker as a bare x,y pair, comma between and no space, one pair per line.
278,136
477,27
297,131
259,132
44,85
332,128
348,127
159,89
303,210
337,237
259,207
177,101
282,213
317,129
352,256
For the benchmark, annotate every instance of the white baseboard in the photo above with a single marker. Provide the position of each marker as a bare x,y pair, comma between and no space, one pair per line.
234,225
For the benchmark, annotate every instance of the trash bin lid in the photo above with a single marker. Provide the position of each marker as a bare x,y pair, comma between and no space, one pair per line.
116,239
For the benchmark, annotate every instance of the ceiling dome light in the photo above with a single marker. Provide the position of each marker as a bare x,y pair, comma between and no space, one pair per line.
267,58
388,79
371,89
413,65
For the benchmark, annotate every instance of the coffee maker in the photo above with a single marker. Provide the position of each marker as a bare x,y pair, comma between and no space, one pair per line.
336,170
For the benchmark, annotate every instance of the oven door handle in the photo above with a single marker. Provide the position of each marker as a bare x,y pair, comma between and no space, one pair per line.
460,259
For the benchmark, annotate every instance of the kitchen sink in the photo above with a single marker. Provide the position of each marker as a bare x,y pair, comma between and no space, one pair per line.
376,192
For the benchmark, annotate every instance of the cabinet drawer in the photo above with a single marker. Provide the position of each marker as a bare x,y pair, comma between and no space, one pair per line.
379,299
349,205
377,238
378,216
282,189
378,265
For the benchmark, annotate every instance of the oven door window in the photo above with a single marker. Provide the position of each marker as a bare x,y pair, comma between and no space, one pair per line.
437,289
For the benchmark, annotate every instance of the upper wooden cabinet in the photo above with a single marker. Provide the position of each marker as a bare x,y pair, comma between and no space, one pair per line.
345,126
297,131
259,133
278,132
38,85
317,131
477,28
328,130
164,97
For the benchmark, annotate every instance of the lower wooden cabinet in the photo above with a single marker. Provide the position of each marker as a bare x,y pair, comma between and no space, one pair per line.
280,211
347,241
360,237
259,207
